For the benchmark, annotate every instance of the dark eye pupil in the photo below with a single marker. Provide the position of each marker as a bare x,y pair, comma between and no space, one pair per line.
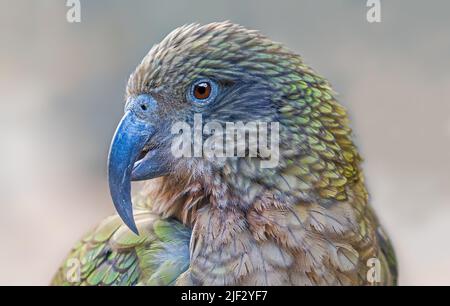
202,90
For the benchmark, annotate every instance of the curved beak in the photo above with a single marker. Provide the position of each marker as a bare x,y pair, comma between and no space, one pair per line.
128,142
128,146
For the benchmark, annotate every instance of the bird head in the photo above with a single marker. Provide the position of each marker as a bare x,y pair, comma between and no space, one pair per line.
227,73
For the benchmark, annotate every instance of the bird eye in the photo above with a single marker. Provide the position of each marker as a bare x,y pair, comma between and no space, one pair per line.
203,91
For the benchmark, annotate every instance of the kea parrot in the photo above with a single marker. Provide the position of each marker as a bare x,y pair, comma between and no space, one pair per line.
201,221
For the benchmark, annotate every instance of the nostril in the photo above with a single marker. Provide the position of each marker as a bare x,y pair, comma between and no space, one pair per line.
143,107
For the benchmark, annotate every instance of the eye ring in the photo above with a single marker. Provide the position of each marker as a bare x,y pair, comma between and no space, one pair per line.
203,91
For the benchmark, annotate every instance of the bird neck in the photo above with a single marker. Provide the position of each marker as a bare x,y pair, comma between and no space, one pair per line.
254,238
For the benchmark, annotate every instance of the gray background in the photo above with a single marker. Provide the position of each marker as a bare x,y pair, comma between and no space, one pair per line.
62,88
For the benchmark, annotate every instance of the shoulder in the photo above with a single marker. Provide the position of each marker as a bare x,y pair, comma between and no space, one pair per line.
113,255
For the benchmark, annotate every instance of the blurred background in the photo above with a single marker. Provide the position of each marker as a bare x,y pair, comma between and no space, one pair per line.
61,96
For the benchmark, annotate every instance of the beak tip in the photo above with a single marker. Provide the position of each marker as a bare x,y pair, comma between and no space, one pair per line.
128,218
133,228
131,224
125,212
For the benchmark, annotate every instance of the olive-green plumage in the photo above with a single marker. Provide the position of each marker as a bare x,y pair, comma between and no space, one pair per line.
305,222
113,255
